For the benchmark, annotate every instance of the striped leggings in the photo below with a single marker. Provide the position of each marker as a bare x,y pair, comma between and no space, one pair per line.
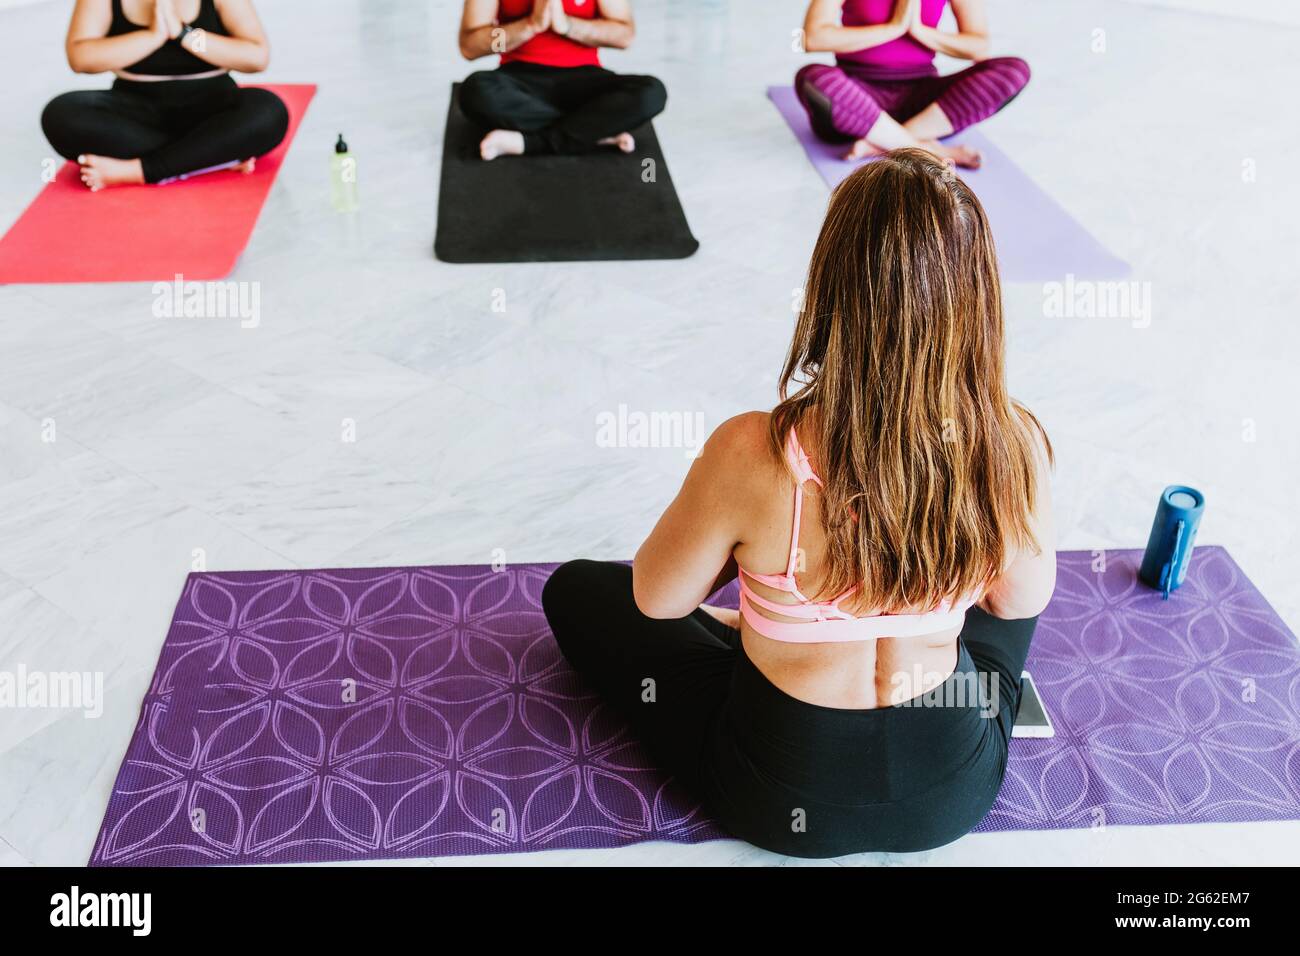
843,105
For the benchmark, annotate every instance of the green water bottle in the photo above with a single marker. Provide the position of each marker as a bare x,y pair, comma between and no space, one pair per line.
343,178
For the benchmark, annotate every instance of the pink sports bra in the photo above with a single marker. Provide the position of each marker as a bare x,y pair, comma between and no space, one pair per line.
817,622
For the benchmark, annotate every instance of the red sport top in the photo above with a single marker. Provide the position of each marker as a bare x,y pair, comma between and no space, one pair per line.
549,48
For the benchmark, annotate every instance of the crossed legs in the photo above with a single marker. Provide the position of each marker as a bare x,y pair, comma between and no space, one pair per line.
119,136
534,109
668,678
877,115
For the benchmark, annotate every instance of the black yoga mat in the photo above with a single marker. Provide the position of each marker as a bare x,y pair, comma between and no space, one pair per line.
597,206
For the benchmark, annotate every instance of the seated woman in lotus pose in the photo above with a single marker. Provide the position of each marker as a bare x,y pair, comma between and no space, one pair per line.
173,109
890,525
550,94
884,91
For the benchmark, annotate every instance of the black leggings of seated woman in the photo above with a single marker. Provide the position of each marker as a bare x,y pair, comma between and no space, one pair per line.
173,110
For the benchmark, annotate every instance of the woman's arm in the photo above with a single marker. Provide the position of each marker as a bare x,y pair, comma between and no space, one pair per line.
1025,587
91,50
824,33
245,50
612,28
688,554
970,42
481,35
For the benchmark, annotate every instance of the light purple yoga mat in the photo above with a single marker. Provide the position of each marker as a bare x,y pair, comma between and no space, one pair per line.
1037,240
468,733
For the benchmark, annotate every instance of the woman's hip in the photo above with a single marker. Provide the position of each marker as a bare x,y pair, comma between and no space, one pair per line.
182,97
815,781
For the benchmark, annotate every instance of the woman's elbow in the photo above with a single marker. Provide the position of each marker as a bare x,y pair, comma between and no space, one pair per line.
649,605
657,613
1032,607
1025,603
259,59
623,39
1017,610
78,63
814,41
651,601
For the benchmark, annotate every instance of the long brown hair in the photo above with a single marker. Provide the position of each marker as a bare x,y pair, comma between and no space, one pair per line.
929,466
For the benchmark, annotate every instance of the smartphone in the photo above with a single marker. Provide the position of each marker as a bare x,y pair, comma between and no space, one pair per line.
1032,719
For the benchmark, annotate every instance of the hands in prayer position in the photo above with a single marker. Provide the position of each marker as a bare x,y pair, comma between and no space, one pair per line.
166,23
549,15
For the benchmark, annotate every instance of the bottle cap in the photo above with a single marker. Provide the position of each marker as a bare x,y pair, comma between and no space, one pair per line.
340,146
1183,498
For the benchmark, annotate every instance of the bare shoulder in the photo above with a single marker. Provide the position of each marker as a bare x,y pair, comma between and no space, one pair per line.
746,432
738,451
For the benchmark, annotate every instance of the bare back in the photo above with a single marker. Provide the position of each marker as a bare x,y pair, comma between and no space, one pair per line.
851,675
736,508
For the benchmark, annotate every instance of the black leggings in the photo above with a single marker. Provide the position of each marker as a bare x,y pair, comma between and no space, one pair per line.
173,127
786,775
560,109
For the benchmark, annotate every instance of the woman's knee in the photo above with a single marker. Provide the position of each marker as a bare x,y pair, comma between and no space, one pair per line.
652,96
578,595
1015,71
564,595
814,76
479,94
561,588
583,583
266,119
63,120
821,89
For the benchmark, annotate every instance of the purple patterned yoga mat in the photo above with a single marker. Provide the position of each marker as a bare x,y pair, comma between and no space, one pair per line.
1178,711
412,712
1037,239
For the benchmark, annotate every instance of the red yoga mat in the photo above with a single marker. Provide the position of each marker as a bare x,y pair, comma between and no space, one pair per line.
196,228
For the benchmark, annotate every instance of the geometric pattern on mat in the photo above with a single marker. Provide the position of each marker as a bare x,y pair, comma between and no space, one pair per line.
1175,711
337,715
300,716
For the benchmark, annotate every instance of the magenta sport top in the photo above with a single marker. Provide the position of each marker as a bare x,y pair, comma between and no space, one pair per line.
903,58
818,622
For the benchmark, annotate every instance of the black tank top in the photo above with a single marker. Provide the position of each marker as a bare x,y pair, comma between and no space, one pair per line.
171,59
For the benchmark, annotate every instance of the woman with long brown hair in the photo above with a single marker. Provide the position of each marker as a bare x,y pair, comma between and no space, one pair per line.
890,525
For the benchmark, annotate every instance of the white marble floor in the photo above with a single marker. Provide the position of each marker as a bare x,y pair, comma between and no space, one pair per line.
475,430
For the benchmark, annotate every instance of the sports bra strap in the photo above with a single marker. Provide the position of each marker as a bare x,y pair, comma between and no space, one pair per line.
803,472
798,459
824,621
794,534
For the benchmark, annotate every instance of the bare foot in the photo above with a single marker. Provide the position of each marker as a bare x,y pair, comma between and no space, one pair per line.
728,616
861,150
624,141
97,172
247,166
501,142
966,157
